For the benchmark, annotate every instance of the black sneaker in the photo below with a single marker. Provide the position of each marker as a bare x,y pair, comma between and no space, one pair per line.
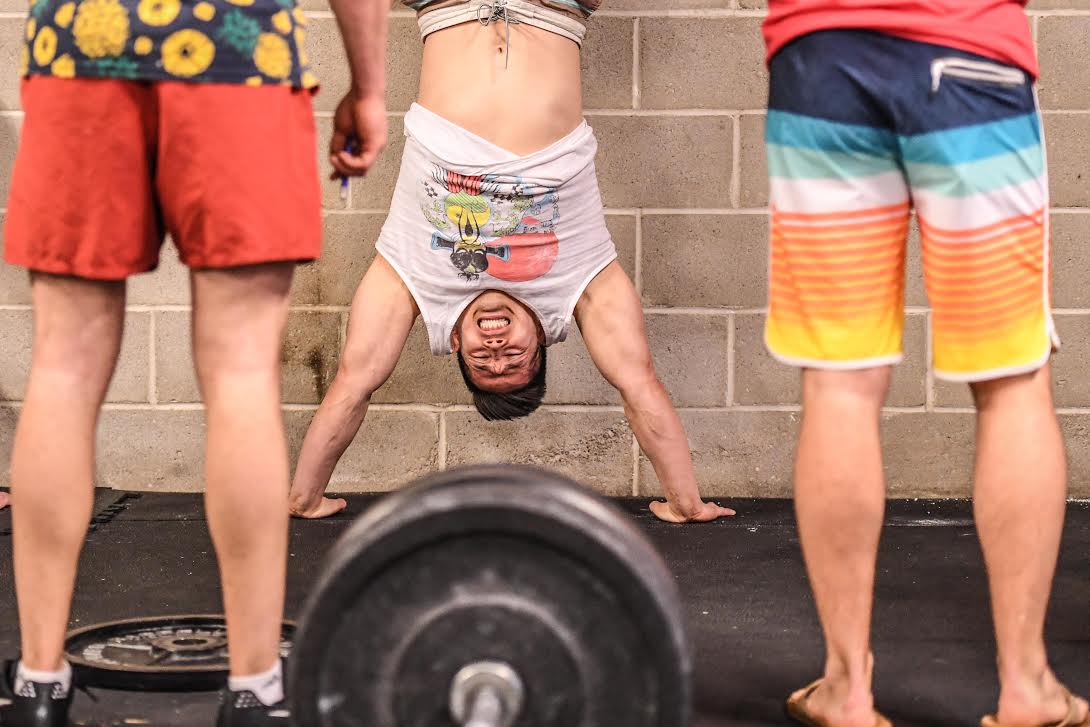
243,709
36,705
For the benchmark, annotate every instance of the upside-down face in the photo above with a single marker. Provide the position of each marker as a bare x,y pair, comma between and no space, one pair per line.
500,340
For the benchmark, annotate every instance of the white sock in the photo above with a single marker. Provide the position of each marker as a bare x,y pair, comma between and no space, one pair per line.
268,686
63,678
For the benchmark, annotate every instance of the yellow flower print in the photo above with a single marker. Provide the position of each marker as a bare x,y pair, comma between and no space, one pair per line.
241,3
282,22
31,28
272,56
253,81
301,45
24,61
101,28
45,46
309,80
299,15
65,13
143,45
204,11
63,67
158,13
187,52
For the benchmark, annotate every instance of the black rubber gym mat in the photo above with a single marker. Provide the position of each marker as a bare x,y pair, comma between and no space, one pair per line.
106,505
749,610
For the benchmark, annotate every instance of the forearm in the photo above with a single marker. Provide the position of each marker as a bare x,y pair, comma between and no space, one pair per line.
363,30
335,425
661,436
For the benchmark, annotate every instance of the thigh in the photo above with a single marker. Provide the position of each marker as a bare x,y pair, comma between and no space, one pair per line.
77,333
238,174
238,319
976,166
839,214
81,197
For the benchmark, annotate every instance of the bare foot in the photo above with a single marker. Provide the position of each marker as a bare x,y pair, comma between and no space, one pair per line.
326,506
5,500
707,512
830,704
1048,703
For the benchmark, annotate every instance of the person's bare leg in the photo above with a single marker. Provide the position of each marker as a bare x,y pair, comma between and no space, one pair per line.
238,324
839,502
1020,493
77,336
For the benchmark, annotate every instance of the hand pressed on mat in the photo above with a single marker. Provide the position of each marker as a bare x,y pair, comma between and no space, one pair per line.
704,513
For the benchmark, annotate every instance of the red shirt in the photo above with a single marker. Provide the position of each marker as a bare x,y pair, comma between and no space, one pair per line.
998,29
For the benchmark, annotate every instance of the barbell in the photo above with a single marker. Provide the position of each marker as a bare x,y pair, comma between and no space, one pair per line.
489,596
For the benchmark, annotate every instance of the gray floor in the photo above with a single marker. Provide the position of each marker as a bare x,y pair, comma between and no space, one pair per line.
749,611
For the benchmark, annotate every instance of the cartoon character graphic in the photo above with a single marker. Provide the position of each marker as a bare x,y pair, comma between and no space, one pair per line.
499,225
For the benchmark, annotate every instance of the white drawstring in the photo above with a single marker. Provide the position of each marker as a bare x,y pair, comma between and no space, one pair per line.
497,10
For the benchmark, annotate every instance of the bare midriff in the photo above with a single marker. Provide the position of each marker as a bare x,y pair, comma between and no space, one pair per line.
520,103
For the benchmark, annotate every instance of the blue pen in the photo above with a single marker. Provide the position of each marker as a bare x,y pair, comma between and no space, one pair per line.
350,147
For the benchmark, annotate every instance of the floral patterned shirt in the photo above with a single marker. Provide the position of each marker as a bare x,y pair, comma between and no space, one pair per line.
253,42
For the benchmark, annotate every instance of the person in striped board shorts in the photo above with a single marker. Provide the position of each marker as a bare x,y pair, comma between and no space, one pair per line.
876,108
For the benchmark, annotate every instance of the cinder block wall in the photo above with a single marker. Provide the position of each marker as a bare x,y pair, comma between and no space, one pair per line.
675,91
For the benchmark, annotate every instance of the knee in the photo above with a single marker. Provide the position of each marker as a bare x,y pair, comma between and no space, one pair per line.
87,354
1023,391
862,387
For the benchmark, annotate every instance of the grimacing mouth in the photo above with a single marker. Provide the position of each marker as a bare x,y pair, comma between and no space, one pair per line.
493,324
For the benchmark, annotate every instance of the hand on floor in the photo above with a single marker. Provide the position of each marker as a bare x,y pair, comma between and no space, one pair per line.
708,511
326,506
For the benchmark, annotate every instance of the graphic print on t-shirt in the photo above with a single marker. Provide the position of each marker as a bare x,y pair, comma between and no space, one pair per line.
494,224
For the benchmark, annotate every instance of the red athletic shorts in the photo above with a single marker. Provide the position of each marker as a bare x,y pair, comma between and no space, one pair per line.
105,167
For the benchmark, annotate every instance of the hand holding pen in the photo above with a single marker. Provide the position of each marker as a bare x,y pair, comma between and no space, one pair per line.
350,147
359,134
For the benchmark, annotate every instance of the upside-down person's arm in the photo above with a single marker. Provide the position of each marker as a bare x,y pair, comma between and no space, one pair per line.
359,125
382,315
610,319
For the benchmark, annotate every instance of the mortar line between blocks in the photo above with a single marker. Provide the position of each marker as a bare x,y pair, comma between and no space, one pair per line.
688,13
334,211
638,264
732,339
736,162
763,211
666,113
573,409
442,440
153,363
636,64
929,391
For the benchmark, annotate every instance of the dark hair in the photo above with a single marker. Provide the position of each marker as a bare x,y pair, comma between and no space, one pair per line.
512,405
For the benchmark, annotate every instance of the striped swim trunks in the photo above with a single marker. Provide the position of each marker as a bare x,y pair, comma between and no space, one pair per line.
862,129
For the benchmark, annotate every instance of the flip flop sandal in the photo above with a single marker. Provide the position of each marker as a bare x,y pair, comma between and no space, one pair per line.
1068,721
796,710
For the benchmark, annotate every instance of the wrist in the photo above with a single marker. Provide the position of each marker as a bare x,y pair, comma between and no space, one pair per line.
687,506
369,90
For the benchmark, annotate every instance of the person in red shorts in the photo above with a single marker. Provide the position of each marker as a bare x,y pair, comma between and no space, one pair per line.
878,107
192,117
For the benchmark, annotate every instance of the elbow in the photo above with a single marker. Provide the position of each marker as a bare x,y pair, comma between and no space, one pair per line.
356,383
